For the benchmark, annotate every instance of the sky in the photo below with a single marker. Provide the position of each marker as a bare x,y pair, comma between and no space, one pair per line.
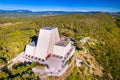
62,5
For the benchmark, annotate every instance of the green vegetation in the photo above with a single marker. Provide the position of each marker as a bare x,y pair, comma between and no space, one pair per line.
101,27
74,75
69,61
19,71
22,71
3,75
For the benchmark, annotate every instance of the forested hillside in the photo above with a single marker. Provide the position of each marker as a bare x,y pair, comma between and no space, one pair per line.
16,32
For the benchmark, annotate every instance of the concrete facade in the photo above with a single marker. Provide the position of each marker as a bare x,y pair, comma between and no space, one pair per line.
30,49
61,48
49,43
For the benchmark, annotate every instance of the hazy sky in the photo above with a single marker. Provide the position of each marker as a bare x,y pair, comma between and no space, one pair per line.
62,5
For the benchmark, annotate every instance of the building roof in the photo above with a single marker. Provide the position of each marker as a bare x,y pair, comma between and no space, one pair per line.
48,28
62,43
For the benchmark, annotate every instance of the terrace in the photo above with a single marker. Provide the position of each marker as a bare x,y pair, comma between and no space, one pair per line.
62,43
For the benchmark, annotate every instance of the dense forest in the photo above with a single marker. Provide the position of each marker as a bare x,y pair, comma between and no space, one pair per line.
16,32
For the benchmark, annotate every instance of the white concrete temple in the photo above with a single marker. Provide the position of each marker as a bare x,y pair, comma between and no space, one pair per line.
49,44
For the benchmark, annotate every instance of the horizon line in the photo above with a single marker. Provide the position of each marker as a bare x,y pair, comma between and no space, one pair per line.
63,10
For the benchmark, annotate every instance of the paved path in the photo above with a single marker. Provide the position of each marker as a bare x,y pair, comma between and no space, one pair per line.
14,60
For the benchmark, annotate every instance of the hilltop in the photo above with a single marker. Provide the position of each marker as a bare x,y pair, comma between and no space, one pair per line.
100,32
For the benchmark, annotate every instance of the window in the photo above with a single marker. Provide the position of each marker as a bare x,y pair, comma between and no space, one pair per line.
53,55
26,55
32,57
35,57
39,59
61,57
43,60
